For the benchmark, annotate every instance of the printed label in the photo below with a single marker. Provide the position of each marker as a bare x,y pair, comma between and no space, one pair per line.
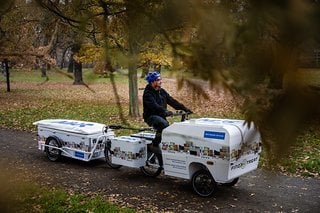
214,135
243,164
79,154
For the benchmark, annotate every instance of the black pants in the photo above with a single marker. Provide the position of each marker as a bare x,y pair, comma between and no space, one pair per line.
158,123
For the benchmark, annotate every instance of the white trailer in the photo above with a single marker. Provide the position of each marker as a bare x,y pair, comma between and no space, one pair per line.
81,140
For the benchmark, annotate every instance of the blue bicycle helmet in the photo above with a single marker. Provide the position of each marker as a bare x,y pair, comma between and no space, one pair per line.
152,76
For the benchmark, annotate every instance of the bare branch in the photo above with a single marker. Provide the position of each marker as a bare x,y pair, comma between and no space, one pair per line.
49,5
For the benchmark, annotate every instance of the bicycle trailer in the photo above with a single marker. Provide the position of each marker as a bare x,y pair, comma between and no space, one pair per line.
81,140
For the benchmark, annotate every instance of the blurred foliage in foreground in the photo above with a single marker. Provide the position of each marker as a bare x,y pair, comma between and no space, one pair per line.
252,48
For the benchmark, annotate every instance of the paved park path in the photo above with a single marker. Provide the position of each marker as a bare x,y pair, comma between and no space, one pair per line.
259,191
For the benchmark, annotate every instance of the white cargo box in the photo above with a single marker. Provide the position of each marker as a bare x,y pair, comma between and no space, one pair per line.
228,148
128,151
79,139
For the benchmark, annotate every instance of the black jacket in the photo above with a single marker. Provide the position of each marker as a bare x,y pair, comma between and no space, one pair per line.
155,102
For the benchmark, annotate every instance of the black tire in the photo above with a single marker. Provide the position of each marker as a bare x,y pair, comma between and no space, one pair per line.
203,183
108,156
52,153
231,183
152,167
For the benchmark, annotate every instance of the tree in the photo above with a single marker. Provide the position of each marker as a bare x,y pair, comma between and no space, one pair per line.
29,36
6,7
112,24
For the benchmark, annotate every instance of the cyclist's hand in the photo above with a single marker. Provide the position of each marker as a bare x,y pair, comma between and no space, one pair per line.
188,111
168,113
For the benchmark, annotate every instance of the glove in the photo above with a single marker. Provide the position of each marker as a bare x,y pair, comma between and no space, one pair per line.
188,111
168,113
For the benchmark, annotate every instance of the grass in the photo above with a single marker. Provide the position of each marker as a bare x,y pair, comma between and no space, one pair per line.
22,117
33,98
58,76
28,197
304,158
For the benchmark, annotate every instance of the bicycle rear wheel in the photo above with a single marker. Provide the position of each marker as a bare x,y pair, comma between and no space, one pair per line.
108,156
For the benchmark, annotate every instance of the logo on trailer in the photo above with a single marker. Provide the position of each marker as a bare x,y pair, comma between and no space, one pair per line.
79,154
243,164
214,135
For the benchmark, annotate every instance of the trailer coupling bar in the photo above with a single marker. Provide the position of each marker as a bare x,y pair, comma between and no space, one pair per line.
130,128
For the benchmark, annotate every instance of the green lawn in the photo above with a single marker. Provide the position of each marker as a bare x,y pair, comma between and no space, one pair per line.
57,75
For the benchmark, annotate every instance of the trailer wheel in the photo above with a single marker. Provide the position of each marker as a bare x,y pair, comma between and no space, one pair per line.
152,167
108,156
203,183
231,183
53,154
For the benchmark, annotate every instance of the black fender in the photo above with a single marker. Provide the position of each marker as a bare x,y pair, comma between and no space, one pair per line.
56,138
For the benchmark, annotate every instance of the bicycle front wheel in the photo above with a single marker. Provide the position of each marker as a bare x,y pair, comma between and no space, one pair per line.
152,167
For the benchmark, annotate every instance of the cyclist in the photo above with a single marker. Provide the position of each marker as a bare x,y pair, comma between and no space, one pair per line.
155,101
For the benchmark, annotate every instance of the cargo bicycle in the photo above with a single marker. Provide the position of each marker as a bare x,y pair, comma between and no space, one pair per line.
207,151
152,165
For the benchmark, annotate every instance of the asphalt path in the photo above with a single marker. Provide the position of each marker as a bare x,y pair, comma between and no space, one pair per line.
258,191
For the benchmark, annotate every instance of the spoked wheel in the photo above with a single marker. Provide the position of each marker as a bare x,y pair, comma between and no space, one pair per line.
203,183
152,167
108,156
231,183
52,149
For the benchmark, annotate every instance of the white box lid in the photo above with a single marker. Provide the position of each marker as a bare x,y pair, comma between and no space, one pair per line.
128,139
75,126
215,121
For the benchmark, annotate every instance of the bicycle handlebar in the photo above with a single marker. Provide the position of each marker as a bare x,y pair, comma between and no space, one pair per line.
183,114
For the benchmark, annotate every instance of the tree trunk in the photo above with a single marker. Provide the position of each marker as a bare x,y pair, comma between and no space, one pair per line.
63,55
133,81
133,89
133,50
7,73
78,73
77,66
43,69
71,64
